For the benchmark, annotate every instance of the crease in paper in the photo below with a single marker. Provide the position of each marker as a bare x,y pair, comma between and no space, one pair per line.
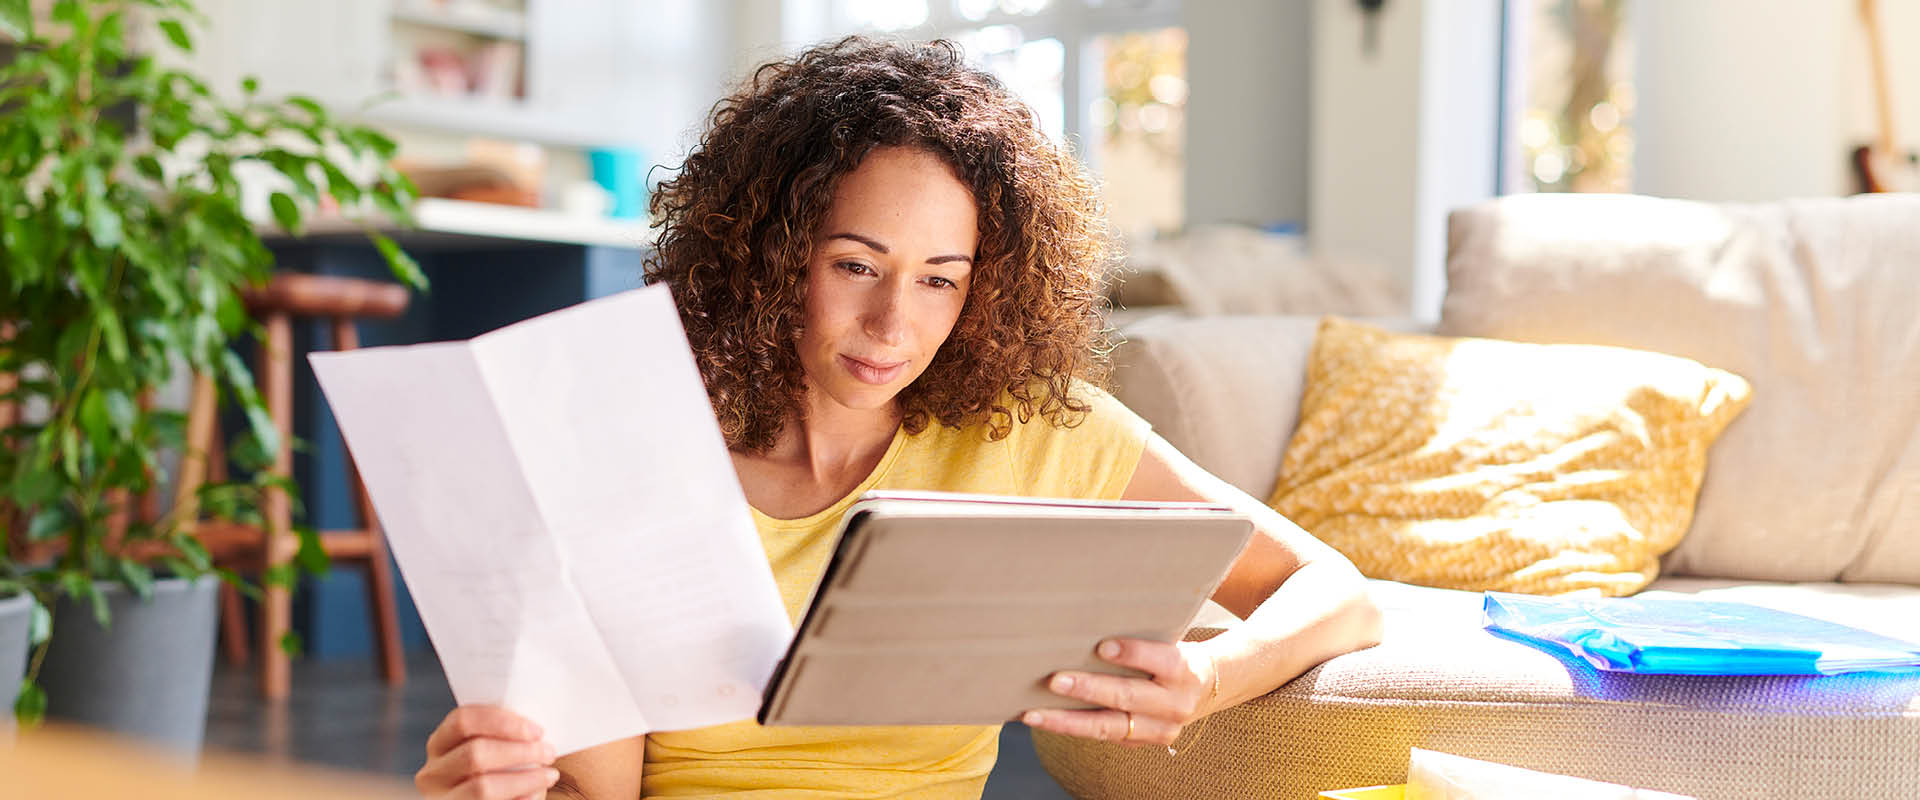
565,513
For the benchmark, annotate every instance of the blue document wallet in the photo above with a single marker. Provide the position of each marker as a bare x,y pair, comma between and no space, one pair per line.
1676,636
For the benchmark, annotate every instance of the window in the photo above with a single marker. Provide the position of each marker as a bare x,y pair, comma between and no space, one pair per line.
1571,68
1107,78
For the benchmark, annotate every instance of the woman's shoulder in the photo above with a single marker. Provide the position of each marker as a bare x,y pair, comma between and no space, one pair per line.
1082,410
1085,446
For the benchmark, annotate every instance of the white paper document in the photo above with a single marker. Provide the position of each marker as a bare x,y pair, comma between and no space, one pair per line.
561,502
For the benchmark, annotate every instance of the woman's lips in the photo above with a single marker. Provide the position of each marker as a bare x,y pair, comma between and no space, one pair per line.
870,372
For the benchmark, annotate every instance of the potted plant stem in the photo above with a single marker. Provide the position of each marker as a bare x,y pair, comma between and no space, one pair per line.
123,253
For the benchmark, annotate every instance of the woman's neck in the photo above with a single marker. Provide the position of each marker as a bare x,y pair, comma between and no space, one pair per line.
831,441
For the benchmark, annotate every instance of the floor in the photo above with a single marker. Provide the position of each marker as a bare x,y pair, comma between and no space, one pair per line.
342,716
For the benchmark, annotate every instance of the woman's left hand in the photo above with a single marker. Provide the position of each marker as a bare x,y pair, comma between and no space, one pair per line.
1136,711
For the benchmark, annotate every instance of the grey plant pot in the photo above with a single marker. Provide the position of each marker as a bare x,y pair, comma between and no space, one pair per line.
16,615
147,674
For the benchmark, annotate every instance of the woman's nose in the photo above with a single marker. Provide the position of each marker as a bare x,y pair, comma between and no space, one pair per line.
886,319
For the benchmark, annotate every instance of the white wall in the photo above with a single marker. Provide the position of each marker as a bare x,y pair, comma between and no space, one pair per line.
1402,134
1249,64
1753,100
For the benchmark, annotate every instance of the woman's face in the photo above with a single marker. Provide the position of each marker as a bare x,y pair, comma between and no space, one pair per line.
889,273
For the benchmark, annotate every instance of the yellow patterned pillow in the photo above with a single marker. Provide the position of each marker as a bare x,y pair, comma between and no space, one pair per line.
1479,464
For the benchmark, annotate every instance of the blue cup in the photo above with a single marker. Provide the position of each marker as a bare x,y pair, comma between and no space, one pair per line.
621,172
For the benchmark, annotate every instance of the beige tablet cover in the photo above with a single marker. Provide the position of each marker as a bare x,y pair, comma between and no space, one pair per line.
954,609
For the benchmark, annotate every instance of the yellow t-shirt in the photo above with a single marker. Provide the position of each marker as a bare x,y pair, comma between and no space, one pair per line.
1093,460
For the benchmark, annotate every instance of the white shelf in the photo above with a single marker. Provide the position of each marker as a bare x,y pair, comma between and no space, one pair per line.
504,119
492,24
443,221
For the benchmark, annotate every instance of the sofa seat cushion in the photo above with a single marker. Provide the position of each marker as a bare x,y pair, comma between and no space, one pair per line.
1441,682
1884,608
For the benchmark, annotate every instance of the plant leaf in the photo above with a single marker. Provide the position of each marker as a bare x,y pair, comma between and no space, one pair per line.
239,584
339,185
149,167
403,265
40,627
101,613
35,487
103,222
70,453
136,576
281,575
250,84
112,333
177,34
311,557
194,552
50,522
120,410
16,19
286,212
370,139
291,643
31,706
308,105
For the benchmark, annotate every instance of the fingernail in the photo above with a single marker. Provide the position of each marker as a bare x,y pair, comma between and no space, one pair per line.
546,752
1109,649
1030,718
553,776
1063,683
534,731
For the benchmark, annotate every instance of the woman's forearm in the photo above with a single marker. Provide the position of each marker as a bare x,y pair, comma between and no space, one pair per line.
1322,610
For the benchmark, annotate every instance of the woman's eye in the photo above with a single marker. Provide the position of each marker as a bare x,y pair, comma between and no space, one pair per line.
856,268
942,283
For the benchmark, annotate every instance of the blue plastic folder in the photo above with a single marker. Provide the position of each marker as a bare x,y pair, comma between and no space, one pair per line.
1673,636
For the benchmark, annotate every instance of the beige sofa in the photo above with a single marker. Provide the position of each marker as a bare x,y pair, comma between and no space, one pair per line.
1811,503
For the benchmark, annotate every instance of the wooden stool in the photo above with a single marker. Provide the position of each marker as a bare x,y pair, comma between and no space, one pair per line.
343,300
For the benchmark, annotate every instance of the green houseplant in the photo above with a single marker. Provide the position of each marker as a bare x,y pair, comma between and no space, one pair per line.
123,253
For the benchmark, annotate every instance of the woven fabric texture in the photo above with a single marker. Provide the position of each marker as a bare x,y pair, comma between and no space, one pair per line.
1812,301
1487,465
1440,682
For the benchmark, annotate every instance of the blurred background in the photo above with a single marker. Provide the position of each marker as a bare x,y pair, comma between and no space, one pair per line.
1354,129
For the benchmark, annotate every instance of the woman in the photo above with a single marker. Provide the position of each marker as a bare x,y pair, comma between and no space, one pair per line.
890,279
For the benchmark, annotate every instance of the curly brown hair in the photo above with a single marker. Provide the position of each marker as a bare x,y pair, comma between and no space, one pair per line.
738,223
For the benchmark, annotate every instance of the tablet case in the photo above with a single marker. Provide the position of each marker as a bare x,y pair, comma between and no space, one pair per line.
944,609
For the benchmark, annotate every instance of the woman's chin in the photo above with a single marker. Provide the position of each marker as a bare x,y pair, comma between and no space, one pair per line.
864,397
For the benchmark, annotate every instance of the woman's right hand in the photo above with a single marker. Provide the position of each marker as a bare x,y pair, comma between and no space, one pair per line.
486,753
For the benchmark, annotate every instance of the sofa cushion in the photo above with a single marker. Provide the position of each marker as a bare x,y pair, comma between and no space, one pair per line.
1812,301
1889,609
1441,682
1487,465
1221,390
1224,391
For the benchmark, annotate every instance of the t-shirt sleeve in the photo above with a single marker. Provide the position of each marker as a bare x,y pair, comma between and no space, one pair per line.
1093,460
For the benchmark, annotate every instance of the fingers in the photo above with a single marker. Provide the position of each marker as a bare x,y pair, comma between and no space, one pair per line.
486,752
1159,659
1174,689
505,785
480,756
467,722
1138,695
1105,725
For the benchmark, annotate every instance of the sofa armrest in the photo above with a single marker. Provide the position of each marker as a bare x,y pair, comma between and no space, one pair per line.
1440,682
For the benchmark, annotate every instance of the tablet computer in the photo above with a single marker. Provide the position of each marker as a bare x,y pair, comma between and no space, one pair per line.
948,609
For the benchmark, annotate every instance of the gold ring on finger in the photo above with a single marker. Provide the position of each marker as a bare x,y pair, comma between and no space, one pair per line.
1129,735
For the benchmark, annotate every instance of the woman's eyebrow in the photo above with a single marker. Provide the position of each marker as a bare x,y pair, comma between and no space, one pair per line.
876,246
882,249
